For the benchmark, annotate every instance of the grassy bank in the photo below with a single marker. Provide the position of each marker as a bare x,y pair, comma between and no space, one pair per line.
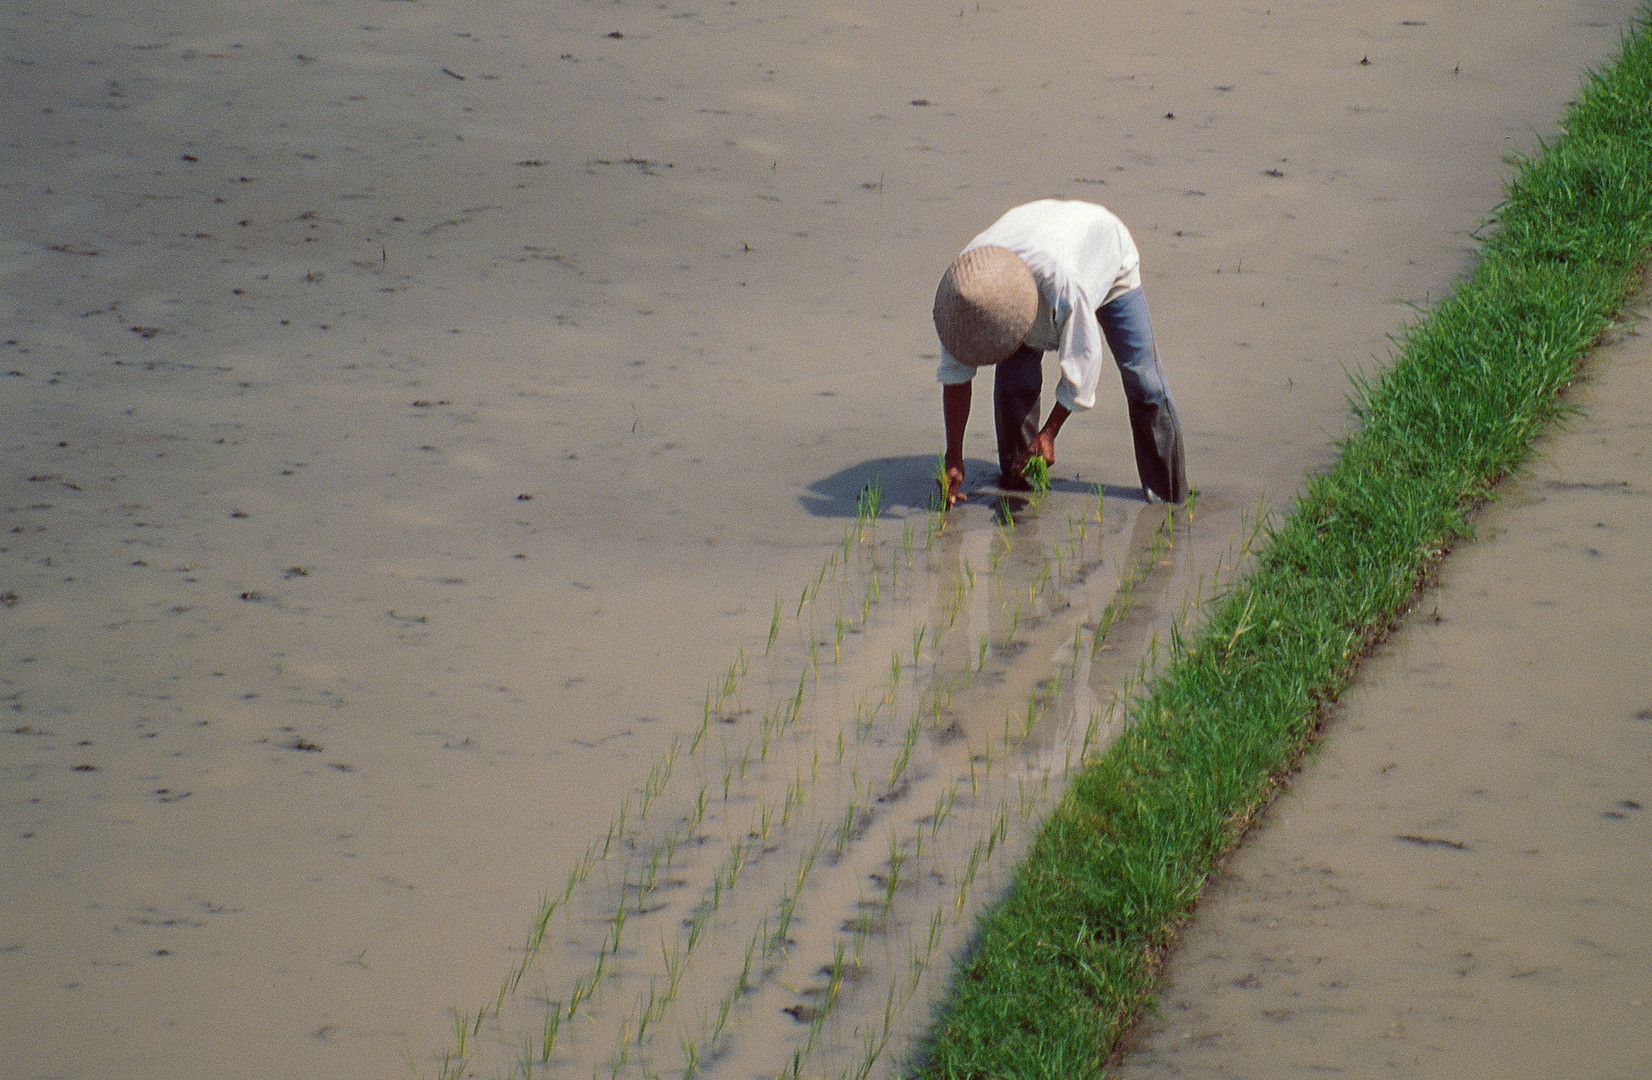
1066,960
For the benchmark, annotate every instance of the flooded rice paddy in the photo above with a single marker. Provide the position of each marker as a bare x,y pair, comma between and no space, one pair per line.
414,417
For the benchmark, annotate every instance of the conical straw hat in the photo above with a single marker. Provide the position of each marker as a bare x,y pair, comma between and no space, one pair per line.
985,305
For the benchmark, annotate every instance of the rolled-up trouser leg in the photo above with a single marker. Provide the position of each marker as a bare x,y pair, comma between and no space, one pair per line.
1157,433
1016,389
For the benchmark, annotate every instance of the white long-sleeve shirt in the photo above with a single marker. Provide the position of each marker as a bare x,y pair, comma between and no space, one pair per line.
1081,256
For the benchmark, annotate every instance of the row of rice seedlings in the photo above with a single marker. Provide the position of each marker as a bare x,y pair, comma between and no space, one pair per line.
1028,800
676,956
1124,595
901,851
1031,793
658,778
627,815
795,796
1000,547
904,982
764,943
687,830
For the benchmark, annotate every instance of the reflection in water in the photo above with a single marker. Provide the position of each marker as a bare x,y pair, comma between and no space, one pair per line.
793,877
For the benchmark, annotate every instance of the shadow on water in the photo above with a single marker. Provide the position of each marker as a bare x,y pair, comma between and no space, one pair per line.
909,484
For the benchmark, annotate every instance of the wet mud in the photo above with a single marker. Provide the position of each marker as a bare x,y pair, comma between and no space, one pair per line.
1457,884
415,417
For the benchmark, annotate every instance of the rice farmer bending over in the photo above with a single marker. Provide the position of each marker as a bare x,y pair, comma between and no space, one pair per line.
1055,274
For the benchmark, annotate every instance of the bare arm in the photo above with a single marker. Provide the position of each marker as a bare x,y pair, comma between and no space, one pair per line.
1043,443
955,406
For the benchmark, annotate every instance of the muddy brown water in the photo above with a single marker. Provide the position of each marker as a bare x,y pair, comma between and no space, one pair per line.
1457,884
412,413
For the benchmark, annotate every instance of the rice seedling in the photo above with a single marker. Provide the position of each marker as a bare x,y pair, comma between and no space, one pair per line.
645,1010
918,642
461,1033
737,860
619,920
691,1057
616,827
904,757
795,794
696,928
783,925
943,809
581,988
698,814
723,1008
536,936
550,1030
676,961
868,504
999,831
1037,473
743,983
658,777
967,879
892,883
915,965
846,828
875,1044
1091,730
1040,583
939,698
774,626
796,706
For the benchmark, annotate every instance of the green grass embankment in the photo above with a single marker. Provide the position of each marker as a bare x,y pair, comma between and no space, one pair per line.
1064,963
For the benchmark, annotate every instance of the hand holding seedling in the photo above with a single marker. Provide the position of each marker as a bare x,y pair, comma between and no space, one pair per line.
1037,473
955,409
952,483
1043,444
